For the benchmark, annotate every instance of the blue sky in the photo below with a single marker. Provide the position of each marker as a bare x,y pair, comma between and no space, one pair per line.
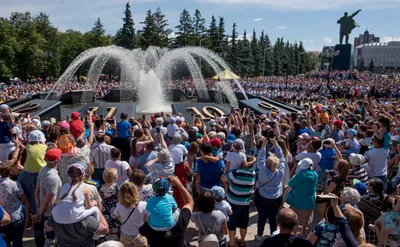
310,21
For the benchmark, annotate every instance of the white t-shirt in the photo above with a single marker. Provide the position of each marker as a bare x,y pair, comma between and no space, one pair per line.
177,153
315,157
235,160
223,206
377,162
121,166
131,226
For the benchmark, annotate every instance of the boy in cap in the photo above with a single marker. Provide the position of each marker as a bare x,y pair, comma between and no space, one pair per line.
220,202
236,158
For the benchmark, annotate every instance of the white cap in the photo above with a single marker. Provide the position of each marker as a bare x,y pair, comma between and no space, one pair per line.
4,106
36,136
304,164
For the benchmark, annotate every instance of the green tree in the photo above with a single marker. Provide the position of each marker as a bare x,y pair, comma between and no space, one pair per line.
98,33
257,54
221,47
185,33
245,57
198,26
371,66
213,35
162,30
126,36
148,33
7,52
233,49
302,67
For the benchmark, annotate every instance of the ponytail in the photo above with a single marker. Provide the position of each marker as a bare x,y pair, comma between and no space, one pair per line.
73,182
133,146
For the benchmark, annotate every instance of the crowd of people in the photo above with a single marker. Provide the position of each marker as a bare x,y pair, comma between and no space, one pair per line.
323,176
294,89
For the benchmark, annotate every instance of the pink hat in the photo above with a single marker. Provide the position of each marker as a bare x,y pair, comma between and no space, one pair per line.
64,125
304,136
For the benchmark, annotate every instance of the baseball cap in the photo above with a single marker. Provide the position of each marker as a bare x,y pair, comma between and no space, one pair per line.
218,192
231,138
304,136
4,106
161,185
212,122
78,166
75,115
216,142
360,187
64,125
356,159
352,132
338,123
46,123
171,120
304,164
221,136
238,144
195,128
36,136
53,154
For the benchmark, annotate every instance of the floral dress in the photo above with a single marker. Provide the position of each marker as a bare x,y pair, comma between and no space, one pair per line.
328,235
109,195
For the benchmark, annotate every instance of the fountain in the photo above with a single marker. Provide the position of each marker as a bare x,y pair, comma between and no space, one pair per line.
148,72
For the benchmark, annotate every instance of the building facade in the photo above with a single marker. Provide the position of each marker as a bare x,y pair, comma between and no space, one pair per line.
384,55
365,38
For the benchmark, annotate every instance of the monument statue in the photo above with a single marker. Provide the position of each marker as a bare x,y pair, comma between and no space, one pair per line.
347,24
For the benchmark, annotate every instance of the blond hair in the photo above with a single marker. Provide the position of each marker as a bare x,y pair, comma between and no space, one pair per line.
128,195
110,175
272,163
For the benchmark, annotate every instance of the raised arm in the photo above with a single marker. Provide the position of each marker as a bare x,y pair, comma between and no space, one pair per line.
355,13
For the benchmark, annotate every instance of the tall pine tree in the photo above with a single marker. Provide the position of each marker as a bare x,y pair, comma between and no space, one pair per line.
198,26
185,33
161,28
257,54
148,35
245,57
213,35
221,48
98,32
126,36
233,49
302,67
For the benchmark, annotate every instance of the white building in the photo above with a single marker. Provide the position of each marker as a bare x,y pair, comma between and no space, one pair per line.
384,55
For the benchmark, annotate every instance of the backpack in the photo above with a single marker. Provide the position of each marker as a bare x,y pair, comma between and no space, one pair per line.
64,143
209,239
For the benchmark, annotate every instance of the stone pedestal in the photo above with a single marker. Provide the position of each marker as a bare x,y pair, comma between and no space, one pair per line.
342,61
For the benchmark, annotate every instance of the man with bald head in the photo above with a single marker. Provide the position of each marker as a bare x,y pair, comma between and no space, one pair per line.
287,220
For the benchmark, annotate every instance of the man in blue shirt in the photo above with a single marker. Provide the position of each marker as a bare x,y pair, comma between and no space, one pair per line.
124,130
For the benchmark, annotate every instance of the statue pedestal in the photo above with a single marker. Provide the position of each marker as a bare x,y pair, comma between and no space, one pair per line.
342,61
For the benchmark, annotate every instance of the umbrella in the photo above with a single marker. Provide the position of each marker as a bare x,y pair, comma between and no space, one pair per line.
226,75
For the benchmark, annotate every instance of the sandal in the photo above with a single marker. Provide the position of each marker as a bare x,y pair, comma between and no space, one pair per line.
240,243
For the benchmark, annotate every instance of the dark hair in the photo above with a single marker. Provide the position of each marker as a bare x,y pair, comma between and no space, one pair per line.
385,121
150,146
330,215
287,220
205,202
193,148
115,153
5,169
124,116
370,133
377,186
316,144
136,135
206,148
100,137
138,177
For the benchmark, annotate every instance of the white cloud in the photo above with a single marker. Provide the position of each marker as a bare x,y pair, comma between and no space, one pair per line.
328,40
308,41
281,27
312,4
388,39
257,19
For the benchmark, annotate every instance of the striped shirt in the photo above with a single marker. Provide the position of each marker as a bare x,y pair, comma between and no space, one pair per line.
241,182
99,154
359,173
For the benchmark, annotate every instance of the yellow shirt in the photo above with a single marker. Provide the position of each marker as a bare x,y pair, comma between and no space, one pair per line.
35,157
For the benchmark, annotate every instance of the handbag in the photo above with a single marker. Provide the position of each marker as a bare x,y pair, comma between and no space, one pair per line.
127,218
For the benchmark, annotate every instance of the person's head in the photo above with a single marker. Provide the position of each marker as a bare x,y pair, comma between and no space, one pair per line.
111,243
216,143
272,163
80,143
282,144
5,169
349,195
315,145
52,156
356,159
185,137
375,185
100,137
177,138
352,133
384,122
159,121
138,133
138,177
377,142
287,219
343,168
356,222
64,128
164,156
161,186
238,145
218,193
205,202
76,173
193,148
115,153
124,116
128,195
212,135
35,137
110,175
345,13
205,148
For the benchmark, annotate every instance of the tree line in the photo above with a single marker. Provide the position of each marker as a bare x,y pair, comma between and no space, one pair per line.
31,46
